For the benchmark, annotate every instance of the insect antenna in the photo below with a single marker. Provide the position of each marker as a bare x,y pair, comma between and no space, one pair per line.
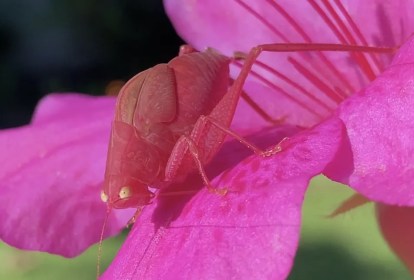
98,264
184,193
177,193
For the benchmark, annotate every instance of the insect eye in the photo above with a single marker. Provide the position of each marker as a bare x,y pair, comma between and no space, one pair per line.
125,192
104,196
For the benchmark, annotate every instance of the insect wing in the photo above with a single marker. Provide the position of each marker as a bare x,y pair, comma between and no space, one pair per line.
128,98
157,101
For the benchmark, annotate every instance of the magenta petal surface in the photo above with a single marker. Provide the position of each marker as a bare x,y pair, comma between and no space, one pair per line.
229,26
51,176
250,233
379,122
212,23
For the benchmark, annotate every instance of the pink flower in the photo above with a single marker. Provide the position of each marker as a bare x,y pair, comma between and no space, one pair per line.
254,234
49,189
376,150
51,176
396,224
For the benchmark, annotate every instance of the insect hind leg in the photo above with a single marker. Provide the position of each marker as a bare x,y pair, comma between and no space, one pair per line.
263,153
190,146
251,57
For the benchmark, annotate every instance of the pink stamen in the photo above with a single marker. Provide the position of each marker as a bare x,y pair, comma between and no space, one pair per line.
366,68
279,89
360,56
293,84
263,20
341,92
307,39
322,73
319,69
316,81
358,32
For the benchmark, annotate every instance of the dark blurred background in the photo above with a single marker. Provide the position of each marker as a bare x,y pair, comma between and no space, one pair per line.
75,46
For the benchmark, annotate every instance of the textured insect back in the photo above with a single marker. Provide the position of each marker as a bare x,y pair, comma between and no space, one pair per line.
157,101
202,80
128,97
211,138
163,130
155,109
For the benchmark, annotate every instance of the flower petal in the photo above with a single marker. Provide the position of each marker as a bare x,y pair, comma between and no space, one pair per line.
250,233
380,131
51,175
397,227
239,29
385,23
69,106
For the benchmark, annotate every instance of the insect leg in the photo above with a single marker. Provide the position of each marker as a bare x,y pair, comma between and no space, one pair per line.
194,149
135,217
183,156
264,153
251,57
186,49
297,47
195,154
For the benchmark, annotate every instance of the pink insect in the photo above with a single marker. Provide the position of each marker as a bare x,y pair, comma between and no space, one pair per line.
173,118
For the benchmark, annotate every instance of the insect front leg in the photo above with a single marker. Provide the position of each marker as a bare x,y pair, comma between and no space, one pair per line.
186,49
193,149
196,148
135,217
183,157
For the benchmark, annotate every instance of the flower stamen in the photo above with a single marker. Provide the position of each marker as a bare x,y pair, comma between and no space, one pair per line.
272,85
359,58
294,85
265,22
308,39
358,33
322,84
323,87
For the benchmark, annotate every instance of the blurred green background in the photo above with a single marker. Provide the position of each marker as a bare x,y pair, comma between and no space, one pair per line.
81,46
346,247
